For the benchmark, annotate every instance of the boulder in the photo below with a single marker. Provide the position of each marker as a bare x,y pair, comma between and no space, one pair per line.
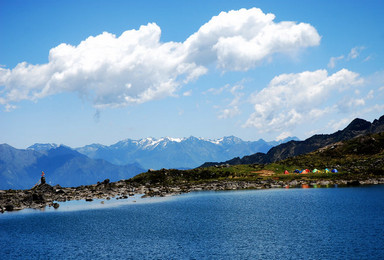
353,183
9,207
44,188
38,198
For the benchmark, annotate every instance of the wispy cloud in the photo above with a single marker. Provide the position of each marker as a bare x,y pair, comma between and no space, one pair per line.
232,108
340,124
368,58
333,61
217,91
355,52
187,93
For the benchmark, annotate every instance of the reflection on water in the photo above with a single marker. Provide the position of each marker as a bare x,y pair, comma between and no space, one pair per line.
76,205
308,186
104,203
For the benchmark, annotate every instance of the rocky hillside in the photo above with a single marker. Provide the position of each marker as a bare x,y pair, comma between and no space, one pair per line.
294,148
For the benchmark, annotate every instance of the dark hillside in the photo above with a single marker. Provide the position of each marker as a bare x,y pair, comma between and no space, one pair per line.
362,155
293,148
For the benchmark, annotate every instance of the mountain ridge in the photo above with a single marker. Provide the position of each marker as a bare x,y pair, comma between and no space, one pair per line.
289,149
168,152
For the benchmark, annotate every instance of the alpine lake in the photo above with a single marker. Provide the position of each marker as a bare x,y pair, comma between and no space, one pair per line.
314,223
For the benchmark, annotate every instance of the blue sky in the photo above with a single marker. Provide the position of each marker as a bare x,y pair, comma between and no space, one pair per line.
82,72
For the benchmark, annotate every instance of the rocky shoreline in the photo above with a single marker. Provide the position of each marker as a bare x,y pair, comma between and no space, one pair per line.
45,195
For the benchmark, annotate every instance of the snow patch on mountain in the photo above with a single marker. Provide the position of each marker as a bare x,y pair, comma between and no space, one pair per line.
169,152
43,147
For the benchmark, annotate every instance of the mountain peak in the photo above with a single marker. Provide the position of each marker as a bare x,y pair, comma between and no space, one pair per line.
231,139
358,124
43,147
172,139
170,152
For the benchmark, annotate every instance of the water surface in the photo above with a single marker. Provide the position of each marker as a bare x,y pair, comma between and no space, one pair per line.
338,223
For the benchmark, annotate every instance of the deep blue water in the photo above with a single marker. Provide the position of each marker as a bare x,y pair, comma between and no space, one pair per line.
336,223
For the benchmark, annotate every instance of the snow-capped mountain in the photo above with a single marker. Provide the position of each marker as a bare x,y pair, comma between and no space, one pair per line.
170,152
43,147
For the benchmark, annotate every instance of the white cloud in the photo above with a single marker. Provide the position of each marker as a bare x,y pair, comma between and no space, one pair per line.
111,71
187,93
333,60
291,99
239,40
137,67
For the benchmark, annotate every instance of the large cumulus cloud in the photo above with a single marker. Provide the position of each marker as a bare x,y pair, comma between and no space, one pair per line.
292,99
137,67
112,71
239,40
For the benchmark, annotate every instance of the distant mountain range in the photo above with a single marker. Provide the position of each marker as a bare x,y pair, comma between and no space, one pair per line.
180,153
293,148
21,169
